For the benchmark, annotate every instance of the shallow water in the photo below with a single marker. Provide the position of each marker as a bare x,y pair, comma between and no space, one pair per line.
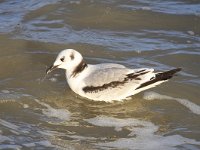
139,33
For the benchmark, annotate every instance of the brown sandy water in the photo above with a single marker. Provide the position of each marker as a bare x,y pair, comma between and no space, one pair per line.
41,115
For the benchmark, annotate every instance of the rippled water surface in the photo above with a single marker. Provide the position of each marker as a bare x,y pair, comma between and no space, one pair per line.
36,114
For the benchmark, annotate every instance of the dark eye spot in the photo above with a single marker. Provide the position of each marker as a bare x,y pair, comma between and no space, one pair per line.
72,56
62,59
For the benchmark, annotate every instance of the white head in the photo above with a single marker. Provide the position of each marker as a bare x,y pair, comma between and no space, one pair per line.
70,60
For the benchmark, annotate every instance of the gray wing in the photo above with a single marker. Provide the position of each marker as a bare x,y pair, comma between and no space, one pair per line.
107,73
104,76
108,65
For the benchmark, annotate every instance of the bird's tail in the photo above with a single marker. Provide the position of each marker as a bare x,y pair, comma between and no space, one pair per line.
166,75
159,78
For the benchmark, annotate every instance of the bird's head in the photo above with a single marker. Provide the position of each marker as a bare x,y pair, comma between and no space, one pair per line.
67,59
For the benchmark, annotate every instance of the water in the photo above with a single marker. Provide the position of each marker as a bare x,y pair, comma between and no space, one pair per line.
36,114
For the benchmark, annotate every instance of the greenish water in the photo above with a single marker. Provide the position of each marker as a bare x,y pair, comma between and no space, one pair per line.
37,114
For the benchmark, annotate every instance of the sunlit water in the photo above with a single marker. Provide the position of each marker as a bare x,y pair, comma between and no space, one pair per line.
41,114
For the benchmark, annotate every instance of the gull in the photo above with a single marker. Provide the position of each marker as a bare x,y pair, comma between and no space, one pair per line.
106,81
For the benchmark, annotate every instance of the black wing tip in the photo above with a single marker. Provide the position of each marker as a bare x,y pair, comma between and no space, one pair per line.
173,71
162,76
167,74
178,69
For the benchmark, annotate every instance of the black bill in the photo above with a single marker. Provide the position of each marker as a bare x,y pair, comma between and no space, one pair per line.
51,68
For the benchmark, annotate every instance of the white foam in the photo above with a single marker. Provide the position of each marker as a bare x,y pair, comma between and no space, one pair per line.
13,128
10,96
190,32
62,114
75,2
25,106
5,91
4,138
29,144
56,75
6,96
154,95
117,123
53,79
146,8
78,137
7,146
9,125
191,106
150,143
44,143
142,135
21,134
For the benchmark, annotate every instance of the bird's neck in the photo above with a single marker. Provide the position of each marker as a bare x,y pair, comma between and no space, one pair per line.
75,75
78,69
